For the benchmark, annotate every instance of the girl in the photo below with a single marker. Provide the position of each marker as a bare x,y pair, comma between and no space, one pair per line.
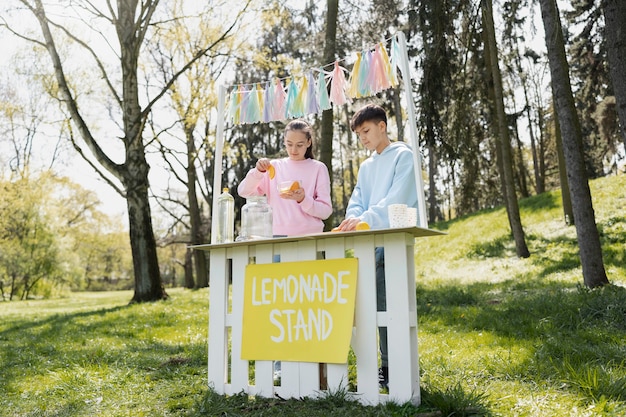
300,208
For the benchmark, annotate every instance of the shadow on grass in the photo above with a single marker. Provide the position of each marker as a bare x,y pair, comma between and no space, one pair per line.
541,202
559,253
575,336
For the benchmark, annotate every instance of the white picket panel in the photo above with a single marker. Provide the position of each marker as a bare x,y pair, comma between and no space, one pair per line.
337,374
218,329
302,379
365,341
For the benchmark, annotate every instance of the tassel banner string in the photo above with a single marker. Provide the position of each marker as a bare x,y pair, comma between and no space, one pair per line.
374,70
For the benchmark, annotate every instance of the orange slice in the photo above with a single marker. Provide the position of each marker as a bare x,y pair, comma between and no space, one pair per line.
271,171
362,226
336,229
294,186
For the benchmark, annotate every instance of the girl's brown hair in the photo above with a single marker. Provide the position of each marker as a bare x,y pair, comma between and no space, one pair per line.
304,127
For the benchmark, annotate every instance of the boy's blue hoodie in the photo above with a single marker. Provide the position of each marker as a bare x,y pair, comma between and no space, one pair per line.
383,179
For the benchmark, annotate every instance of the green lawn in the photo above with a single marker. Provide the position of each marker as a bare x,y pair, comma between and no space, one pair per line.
498,335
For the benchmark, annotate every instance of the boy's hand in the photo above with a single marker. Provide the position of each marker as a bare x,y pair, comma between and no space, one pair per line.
348,225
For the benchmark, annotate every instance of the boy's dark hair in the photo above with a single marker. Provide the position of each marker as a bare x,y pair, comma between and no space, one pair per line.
368,113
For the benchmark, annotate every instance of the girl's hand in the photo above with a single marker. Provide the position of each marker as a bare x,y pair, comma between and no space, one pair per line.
296,195
262,164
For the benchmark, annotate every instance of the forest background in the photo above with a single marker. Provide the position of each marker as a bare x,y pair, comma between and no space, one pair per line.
80,116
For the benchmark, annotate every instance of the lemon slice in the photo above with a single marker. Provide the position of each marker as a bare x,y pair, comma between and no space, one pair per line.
294,186
271,171
362,226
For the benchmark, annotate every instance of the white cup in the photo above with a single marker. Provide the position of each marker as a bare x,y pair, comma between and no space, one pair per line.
411,215
397,215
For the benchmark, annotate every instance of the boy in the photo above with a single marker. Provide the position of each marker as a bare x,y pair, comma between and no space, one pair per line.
386,177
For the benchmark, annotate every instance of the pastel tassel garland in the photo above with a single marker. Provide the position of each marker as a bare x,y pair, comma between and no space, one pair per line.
372,72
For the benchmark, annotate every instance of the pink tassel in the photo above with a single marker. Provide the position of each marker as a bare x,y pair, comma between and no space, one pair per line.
280,97
338,86
379,78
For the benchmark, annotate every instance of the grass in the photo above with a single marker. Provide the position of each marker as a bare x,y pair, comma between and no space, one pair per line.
498,335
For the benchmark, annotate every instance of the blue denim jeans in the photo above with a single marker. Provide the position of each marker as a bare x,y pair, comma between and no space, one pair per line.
381,303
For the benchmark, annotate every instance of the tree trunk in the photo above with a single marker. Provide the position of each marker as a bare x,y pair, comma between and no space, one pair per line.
188,267
568,213
594,273
432,168
503,136
326,140
521,164
396,101
615,33
195,217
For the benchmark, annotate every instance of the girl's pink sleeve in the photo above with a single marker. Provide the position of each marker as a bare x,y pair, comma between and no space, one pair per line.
253,184
319,204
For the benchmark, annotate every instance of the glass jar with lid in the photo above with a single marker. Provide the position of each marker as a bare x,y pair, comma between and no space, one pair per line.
256,219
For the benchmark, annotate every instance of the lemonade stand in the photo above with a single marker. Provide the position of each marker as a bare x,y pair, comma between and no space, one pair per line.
315,311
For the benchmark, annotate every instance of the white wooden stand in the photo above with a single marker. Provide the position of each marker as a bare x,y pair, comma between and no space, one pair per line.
229,374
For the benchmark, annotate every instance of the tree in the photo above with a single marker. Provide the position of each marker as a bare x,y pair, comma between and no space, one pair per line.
590,249
132,22
614,18
512,206
28,247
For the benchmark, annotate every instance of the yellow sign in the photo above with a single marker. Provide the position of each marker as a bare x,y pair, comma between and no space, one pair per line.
299,311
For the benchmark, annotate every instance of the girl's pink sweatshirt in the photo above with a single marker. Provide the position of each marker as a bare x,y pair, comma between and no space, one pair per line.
290,217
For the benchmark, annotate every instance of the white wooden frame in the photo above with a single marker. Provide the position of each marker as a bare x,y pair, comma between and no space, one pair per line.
229,374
